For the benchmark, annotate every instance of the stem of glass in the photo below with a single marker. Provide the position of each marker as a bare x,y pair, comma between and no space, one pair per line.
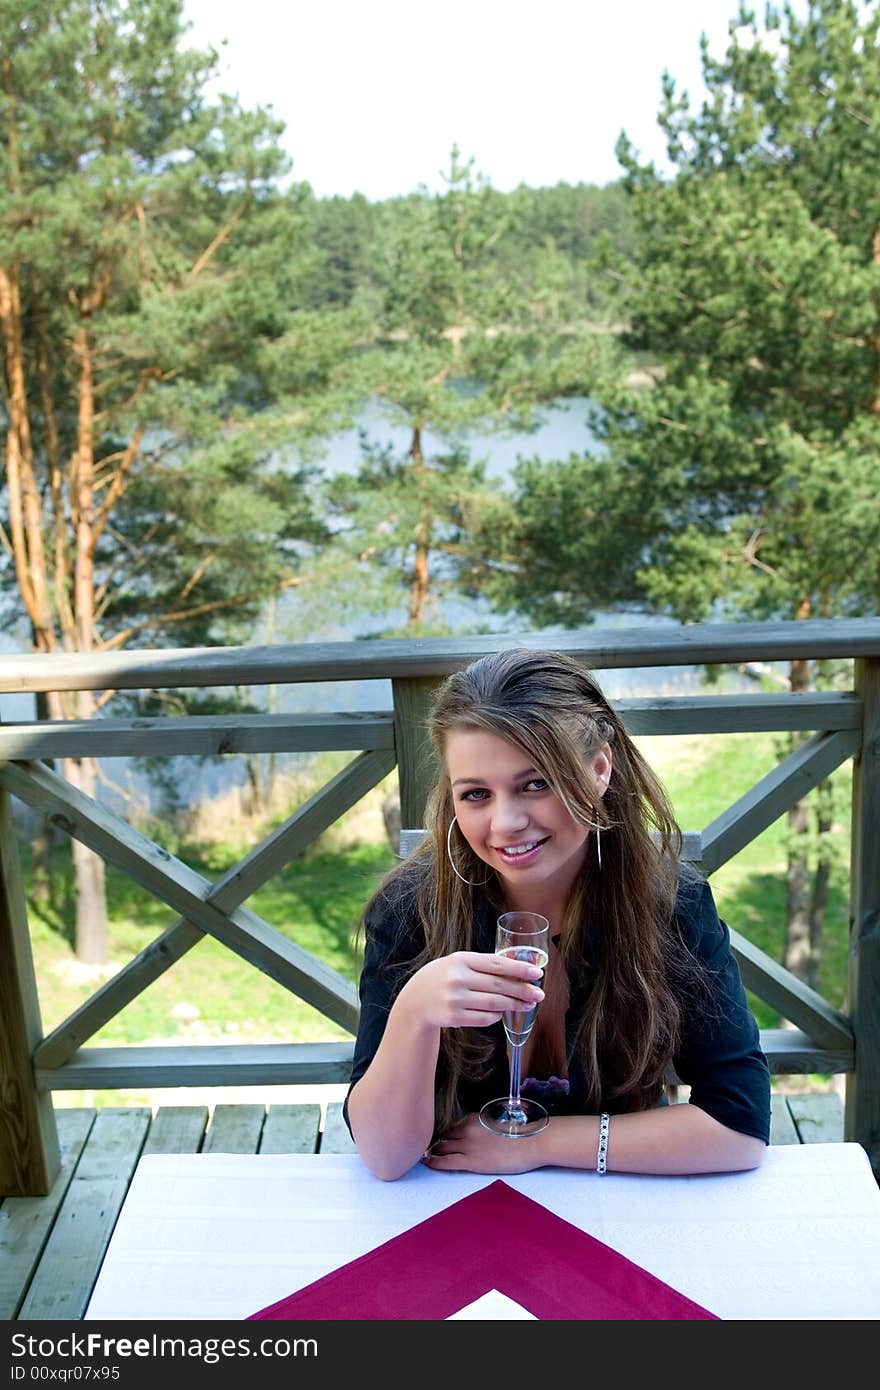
515,1058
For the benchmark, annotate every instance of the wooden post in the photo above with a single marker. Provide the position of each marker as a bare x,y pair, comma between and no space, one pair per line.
415,761
29,1153
862,1120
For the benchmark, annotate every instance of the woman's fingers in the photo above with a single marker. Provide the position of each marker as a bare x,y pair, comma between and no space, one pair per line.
468,1147
501,1003
480,997
521,983
459,990
504,967
481,1010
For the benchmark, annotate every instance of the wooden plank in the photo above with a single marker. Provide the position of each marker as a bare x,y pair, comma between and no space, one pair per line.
187,891
195,735
654,644
25,1222
691,846
232,888
415,757
335,1137
824,1025
782,1127
291,1129
63,1283
233,1064
863,987
809,764
212,735
790,1052
818,1116
177,1129
234,1129
30,1159
732,714
409,842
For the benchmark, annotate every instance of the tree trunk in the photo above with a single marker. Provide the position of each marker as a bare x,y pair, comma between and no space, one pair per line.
41,862
822,878
44,836
254,772
797,951
270,760
420,581
391,817
25,506
88,872
797,957
91,906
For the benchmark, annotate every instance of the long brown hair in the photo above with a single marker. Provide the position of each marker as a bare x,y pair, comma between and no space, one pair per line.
551,708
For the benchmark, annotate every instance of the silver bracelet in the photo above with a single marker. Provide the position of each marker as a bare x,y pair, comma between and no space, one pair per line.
604,1122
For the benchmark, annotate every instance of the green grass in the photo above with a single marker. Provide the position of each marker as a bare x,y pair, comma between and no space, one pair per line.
210,994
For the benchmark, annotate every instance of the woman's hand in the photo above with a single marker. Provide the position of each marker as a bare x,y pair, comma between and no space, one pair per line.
470,989
469,1148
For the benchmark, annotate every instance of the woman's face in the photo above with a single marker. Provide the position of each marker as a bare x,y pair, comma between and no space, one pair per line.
511,817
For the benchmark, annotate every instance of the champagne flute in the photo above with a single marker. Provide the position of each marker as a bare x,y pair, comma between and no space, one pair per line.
523,936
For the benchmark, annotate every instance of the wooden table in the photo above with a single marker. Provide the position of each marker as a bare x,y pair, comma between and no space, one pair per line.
52,1248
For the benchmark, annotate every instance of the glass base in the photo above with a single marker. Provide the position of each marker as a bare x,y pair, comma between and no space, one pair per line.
519,1121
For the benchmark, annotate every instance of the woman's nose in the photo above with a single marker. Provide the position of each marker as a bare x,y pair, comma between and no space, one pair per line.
508,816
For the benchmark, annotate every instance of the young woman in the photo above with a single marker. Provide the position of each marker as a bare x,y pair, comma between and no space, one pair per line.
543,803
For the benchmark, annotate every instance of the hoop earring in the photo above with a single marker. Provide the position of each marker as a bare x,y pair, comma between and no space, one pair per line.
468,881
599,845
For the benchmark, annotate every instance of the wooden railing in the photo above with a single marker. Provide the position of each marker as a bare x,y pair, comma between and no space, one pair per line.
843,726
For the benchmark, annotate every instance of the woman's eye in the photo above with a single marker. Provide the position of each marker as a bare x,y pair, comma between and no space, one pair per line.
537,784
475,794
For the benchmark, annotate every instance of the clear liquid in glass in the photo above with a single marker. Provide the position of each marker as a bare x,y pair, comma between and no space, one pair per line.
518,1025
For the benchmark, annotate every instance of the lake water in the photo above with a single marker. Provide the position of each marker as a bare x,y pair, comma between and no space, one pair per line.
563,429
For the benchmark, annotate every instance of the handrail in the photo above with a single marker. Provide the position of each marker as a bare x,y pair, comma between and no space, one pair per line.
217,734
601,648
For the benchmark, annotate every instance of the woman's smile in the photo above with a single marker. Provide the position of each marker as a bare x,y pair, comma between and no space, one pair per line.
523,853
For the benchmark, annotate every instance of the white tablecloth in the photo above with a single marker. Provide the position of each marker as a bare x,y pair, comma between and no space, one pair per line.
215,1236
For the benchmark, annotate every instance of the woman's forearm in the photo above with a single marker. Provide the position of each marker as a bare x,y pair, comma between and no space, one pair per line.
668,1140
391,1107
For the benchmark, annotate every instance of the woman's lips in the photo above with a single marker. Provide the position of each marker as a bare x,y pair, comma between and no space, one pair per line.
516,855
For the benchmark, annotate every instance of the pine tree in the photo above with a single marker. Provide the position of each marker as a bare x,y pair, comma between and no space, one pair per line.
155,355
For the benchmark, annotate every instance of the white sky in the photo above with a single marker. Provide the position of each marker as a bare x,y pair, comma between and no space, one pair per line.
374,93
